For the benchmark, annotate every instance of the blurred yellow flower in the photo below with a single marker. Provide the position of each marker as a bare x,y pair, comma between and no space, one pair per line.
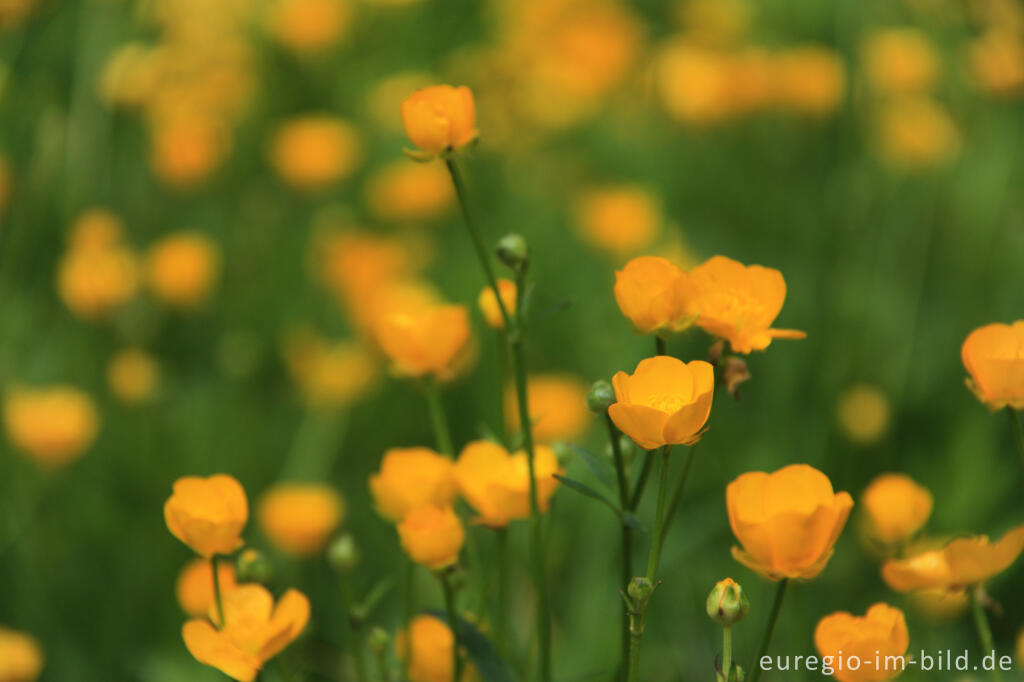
994,358
558,407
181,268
440,118
938,604
426,649
695,83
964,562
299,518
409,191
432,536
879,635
21,657
313,152
996,63
133,375
863,413
329,374
53,424
917,132
664,402
740,302
497,484
207,514
654,295
620,220
96,228
255,630
809,80
309,25
432,340
488,303
787,522
97,272
895,507
185,148
194,587
12,13
716,23
899,61
412,477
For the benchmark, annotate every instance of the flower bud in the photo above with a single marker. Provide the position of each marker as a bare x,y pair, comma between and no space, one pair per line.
600,397
343,553
379,640
640,590
253,566
727,604
513,251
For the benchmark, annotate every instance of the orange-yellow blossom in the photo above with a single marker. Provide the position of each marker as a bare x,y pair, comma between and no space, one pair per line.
53,424
558,407
412,477
432,536
964,562
21,657
207,514
488,303
654,295
426,648
895,508
428,340
181,268
496,483
878,638
994,358
298,518
440,118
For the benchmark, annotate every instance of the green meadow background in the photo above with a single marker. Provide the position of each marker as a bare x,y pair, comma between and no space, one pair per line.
887,272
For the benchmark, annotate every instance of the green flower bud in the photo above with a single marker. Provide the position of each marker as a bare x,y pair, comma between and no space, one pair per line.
379,640
600,397
727,604
343,553
513,251
253,566
640,590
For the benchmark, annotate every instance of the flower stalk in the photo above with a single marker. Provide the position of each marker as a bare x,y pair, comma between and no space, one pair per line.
438,420
766,639
1017,429
216,591
983,628
453,621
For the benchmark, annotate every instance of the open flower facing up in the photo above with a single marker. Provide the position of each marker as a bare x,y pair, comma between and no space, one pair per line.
787,521
207,514
181,268
428,340
299,518
255,630
412,477
964,562
432,536
21,658
497,484
739,303
194,588
488,303
895,508
879,639
664,402
558,407
54,425
426,648
994,358
440,118
654,295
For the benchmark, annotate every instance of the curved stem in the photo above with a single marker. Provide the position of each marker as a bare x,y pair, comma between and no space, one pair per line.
453,623
438,421
766,639
984,631
677,491
216,591
626,531
660,346
1018,431
641,481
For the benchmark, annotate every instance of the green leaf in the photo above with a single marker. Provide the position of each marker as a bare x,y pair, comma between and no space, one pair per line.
480,651
628,518
599,466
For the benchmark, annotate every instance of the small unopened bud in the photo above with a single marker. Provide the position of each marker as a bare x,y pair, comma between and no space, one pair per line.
513,251
600,397
343,553
379,640
640,590
727,604
253,566
734,374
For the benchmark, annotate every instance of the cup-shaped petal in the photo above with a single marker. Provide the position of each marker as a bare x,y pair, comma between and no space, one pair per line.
207,514
432,536
412,477
994,358
440,118
878,640
651,295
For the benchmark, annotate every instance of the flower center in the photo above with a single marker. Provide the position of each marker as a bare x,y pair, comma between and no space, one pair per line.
666,403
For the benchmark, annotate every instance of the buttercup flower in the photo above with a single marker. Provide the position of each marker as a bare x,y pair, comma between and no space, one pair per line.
996,61
917,132
664,402
55,424
194,588
181,268
329,374
207,514
426,649
299,518
497,484
432,536
739,303
488,303
879,636
964,562
621,220
185,148
939,604
787,521
654,295
900,60
895,508
440,118
994,358
133,375
255,630
21,658
313,152
408,191
309,25
97,273
810,80
430,340
412,477
558,407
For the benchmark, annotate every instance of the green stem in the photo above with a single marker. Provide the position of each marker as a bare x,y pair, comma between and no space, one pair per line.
410,590
626,531
641,481
1017,429
216,591
677,492
659,520
453,623
501,618
660,346
438,421
726,652
502,384
984,631
355,628
766,640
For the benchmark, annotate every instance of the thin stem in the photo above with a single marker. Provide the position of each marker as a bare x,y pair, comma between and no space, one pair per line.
660,346
984,631
355,627
438,421
502,384
1017,429
677,492
726,651
641,481
501,618
766,640
216,591
626,531
410,590
453,623
659,520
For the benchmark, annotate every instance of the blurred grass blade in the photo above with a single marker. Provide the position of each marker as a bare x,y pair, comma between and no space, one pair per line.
599,466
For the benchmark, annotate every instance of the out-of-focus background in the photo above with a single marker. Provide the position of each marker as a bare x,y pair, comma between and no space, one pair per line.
198,197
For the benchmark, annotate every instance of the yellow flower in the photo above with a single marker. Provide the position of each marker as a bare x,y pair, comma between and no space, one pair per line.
97,273
430,340
409,191
55,424
329,374
939,604
255,630
299,518
432,536
21,658
664,402
787,521
654,295
863,413
739,303
809,80
313,152
207,514
900,61
186,148
309,25
133,375
917,132
96,228
621,220
964,562
194,587
488,303
181,268
895,508
994,358
440,118
696,84
412,477
877,638
497,484
558,407
426,649
996,62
